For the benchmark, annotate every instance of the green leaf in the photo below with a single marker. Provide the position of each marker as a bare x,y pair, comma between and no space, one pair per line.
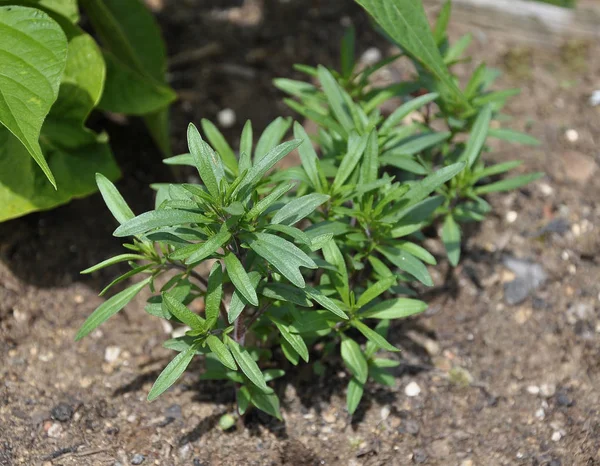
238,302
335,96
112,261
113,199
197,252
267,402
33,57
418,251
397,308
124,277
441,25
347,52
285,292
369,168
289,353
376,290
417,216
354,359
308,156
334,256
219,143
426,186
451,239
205,161
354,394
247,365
292,232
324,301
271,136
262,166
294,340
283,255
496,169
406,23
513,136
454,53
156,219
214,295
110,307
356,148
243,400
73,152
418,143
221,351
508,184
478,136
298,208
245,161
407,262
266,202
240,279
171,373
135,55
373,336
406,109
179,310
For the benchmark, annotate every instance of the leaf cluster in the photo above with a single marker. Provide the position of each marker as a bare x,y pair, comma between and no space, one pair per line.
54,75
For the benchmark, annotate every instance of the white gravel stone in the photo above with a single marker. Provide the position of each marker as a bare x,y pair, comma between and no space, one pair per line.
547,390
556,436
511,216
572,135
412,389
226,118
55,430
112,353
533,389
371,56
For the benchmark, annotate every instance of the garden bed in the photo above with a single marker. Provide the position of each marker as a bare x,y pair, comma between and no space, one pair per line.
498,384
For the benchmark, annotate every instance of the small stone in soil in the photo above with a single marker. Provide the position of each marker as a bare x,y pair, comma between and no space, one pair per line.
563,400
137,459
62,412
409,426
111,354
529,276
55,430
547,390
419,456
556,436
412,389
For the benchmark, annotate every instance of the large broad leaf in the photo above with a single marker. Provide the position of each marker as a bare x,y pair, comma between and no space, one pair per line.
406,23
67,9
136,59
74,153
33,56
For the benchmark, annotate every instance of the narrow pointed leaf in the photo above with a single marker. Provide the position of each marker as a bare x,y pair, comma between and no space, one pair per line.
221,351
113,199
238,302
407,262
209,247
248,365
171,373
308,156
354,359
214,295
110,307
376,290
179,310
240,279
156,219
294,340
271,136
394,309
297,209
373,336
354,394
478,136
451,239
112,261
406,109
217,140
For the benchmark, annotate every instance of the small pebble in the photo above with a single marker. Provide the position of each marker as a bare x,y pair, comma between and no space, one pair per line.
563,400
385,412
226,118
572,135
540,414
62,412
55,430
371,56
137,459
556,436
511,216
111,354
547,390
412,389
595,98
533,389
546,189
419,456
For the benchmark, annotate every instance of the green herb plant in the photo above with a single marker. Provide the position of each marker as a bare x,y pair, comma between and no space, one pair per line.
53,75
430,130
315,260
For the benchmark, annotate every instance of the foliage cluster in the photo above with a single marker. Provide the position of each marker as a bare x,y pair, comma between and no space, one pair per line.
53,75
320,258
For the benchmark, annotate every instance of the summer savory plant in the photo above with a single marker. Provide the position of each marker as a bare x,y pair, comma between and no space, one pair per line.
432,129
317,259
53,75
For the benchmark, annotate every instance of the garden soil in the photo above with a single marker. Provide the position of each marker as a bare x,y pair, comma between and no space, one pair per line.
490,383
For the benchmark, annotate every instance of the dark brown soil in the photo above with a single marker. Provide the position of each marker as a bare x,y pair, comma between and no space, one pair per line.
500,384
